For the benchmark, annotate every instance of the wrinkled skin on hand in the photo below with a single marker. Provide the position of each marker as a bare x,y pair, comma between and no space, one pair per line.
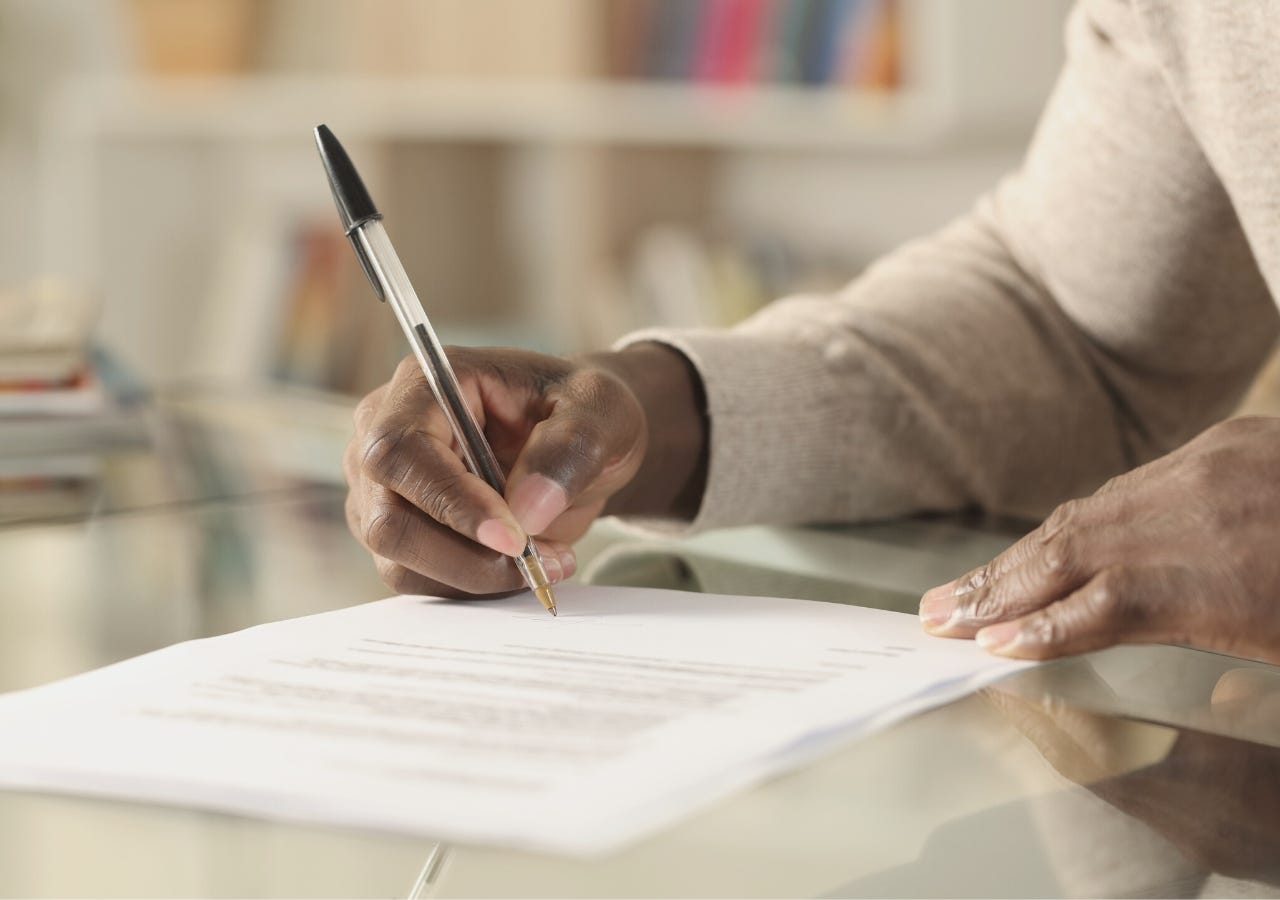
1183,550
572,435
568,435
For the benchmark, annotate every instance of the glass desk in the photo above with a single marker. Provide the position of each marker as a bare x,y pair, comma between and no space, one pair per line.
1149,771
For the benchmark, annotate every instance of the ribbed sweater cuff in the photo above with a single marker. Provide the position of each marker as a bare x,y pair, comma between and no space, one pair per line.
773,443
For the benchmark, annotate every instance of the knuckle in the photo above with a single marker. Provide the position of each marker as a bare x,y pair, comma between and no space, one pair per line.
1239,426
1059,556
407,370
1197,470
1110,602
1063,516
366,409
983,606
385,454
1206,469
1103,598
441,499
1046,629
467,361
977,578
1114,489
384,530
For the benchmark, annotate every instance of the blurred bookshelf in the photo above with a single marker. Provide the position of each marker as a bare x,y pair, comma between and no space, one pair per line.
554,173
266,107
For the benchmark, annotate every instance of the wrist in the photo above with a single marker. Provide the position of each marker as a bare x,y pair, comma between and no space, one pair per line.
672,475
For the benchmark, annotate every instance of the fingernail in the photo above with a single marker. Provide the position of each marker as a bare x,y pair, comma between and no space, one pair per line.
569,562
501,535
552,567
998,638
937,606
536,502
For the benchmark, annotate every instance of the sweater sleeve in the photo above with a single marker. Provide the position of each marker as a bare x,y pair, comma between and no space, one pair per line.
1097,308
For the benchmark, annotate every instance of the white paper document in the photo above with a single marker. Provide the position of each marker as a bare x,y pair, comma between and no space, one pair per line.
488,721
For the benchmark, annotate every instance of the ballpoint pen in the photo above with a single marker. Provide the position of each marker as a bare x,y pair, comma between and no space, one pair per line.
363,225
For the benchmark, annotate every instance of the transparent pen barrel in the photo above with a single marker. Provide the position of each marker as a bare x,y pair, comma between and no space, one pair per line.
431,357
476,452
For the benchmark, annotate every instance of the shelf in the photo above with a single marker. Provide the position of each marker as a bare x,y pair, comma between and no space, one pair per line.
271,107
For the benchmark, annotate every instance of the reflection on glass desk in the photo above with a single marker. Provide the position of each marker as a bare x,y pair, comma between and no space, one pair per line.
1137,770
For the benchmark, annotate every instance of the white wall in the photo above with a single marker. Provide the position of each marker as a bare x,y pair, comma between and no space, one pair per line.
41,42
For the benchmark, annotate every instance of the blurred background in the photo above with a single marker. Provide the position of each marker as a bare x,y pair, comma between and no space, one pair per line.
184,329
555,173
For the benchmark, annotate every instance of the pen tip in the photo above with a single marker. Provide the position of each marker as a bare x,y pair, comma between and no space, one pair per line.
546,597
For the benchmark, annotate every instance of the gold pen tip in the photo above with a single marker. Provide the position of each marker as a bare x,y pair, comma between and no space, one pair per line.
546,597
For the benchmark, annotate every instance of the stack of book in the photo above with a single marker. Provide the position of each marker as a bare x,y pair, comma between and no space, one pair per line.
817,43
55,414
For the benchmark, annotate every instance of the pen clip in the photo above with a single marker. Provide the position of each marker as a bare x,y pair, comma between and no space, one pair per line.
365,264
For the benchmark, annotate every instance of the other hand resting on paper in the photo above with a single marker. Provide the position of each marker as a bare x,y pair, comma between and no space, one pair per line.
610,433
1182,550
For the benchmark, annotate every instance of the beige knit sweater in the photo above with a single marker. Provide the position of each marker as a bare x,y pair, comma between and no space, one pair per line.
1096,309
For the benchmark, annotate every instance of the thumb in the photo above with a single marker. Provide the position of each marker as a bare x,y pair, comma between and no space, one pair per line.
587,448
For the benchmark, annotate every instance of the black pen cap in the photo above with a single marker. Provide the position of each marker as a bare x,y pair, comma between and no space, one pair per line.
354,203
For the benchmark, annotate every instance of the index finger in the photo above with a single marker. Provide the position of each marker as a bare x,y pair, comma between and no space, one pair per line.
407,447
942,599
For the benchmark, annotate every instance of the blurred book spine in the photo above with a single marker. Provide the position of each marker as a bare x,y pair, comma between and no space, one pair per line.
45,367
472,39
78,394
728,42
101,408
676,276
43,487
674,40
855,44
333,334
195,37
58,405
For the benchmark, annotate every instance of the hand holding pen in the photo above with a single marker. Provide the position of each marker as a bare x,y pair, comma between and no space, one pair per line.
433,527
617,432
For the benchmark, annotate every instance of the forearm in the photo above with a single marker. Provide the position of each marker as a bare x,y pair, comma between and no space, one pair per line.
944,378
1096,310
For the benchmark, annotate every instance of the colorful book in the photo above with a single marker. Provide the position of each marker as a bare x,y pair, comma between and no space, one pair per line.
791,22
881,68
628,33
735,52
822,40
675,33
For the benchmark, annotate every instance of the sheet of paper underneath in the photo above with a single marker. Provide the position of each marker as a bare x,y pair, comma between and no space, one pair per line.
488,721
